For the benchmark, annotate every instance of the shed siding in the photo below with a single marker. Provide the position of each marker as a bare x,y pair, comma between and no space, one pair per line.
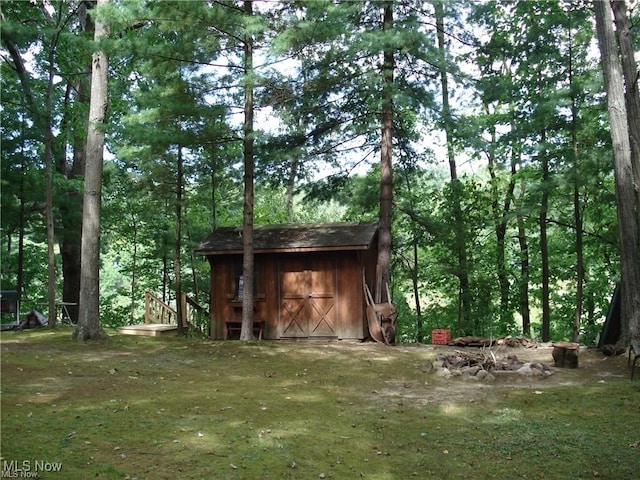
351,305
298,294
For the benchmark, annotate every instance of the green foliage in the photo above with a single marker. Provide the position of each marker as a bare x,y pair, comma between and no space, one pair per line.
175,88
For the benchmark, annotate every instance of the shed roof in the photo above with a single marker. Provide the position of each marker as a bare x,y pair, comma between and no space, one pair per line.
314,237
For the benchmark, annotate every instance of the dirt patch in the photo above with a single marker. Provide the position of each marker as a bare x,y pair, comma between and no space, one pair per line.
592,366
418,385
430,388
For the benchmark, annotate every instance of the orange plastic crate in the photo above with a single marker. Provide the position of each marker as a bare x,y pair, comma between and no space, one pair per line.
440,336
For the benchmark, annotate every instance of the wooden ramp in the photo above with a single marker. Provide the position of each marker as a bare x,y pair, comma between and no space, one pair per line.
149,329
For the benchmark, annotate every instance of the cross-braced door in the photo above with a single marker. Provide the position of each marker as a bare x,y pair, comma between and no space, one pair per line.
293,303
308,298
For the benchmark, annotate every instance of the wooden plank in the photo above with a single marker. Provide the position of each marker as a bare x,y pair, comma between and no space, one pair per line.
236,326
350,313
148,329
321,298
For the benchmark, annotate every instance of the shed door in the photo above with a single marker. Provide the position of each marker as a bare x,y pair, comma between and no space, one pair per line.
308,298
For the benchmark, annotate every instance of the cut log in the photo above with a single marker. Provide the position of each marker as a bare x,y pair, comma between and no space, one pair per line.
565,354
517,342
470,341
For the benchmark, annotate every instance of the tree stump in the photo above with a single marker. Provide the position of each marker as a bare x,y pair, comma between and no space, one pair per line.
565,354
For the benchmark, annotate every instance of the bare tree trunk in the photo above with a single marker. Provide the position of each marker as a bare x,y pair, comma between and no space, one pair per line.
71,217
246,332
544,247
71,207
542,222
166,281
500,218
386,169
214,185
623,169
44,120
177,262
192,259
632,93
577,214
413,266
22,220
524,270
500,230
464,294
416,289
291,183
134,268
88,326
21,227
48,154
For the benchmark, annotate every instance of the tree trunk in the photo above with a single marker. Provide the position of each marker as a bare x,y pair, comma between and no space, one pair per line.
464,294
22,222
579,249
48,154
386,168
88,326
166,287
44,119
500,219
71,216
134,270
625,196
214,185
291,183
416,289
632,93
577,214
177,262
71,207
500,230
413,265
524,270
192,258
544,243
246,332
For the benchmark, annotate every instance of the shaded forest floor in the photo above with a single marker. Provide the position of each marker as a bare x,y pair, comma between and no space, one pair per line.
168,408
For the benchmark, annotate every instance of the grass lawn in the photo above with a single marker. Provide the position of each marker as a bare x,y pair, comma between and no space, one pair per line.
168,408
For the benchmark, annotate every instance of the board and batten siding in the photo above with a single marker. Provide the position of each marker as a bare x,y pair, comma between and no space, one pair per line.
302,291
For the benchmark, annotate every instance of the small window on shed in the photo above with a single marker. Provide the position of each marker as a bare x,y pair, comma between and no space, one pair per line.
239,285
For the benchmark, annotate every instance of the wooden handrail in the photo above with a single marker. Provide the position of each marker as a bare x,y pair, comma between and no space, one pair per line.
156,311
195,304
191,309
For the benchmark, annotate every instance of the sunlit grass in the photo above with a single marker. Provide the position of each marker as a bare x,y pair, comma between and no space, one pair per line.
167,408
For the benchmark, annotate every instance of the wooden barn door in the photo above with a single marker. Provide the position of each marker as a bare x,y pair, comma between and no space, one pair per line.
322,309
308,298
293,299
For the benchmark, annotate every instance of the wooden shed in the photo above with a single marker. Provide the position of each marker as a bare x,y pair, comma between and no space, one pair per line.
308,280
